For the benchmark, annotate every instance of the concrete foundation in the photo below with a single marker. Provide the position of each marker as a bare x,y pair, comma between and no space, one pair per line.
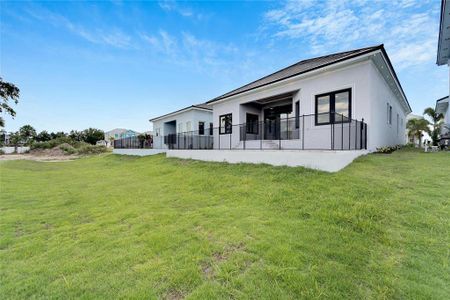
139,152
330,161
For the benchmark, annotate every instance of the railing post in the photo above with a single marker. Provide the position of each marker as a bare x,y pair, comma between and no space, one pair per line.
230,136
245,134
349,133
342,132
356,134
365,136
303,132
361,134
332,136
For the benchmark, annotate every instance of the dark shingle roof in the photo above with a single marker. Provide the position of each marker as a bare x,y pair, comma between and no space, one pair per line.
201,106
301,67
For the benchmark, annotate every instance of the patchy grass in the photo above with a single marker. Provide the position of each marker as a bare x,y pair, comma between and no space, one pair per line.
127,227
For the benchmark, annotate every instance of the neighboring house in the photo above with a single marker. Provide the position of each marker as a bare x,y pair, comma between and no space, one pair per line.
4,137
443,52
317,103
184,128
414,139
443,107
119,133
443,58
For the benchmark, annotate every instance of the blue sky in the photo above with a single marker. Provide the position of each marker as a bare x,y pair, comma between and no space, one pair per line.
117,64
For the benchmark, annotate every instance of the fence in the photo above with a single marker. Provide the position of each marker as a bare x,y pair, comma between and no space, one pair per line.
134,142
335,132
306,132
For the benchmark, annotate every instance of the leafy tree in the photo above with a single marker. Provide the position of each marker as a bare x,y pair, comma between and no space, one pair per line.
8,92
416,127
43,136
58,134
27,134
92,135
77,135
15,139
436,122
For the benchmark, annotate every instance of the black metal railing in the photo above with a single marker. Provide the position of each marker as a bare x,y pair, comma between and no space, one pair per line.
305,132
134,142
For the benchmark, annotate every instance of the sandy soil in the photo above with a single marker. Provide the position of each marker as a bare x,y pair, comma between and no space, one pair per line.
50,155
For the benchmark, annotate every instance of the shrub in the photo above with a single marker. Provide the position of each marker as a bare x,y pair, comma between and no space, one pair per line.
91,149
67,148
387,149
2,152
53,143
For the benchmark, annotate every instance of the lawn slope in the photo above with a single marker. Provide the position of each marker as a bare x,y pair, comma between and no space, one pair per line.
117,226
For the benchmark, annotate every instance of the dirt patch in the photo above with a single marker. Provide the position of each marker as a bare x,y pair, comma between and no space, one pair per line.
30,156
218,257
174,295
50,155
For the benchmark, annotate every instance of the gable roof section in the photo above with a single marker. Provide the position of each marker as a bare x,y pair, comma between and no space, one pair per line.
443,52
201,106
309,65
442,105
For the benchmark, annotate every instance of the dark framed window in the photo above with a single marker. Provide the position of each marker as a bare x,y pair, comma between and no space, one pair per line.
297,114
225,124
211,130
334,107
201,128
390,115
252,124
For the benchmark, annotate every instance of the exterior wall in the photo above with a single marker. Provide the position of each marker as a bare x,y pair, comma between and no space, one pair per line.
380,133
370,95
10,150
354,76
193,115
138,152
330,161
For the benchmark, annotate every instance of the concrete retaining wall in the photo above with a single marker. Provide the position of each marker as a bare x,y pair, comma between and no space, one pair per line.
9,150
330,161
138,152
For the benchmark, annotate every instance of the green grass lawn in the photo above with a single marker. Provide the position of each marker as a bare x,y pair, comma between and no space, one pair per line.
126,227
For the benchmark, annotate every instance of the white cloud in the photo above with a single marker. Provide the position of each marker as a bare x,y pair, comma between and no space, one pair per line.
328,26
173,6
111,37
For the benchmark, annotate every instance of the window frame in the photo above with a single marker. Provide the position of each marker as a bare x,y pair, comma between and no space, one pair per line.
224,129
251,127
390,114
297,114
332,111
201,128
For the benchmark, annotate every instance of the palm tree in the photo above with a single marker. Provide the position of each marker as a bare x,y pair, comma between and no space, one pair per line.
436,123
416,127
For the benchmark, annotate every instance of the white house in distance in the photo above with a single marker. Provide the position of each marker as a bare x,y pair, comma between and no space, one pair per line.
187,128
117,134
413,139
443,58
443,53
316,104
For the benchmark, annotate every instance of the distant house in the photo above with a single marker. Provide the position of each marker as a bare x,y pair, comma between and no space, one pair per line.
414,139
443,58
187,128
443,52
443,107
119,133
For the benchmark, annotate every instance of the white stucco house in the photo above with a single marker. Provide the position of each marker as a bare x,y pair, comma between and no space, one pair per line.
345,101
414,139
443,58
443,52
187,128
443,107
